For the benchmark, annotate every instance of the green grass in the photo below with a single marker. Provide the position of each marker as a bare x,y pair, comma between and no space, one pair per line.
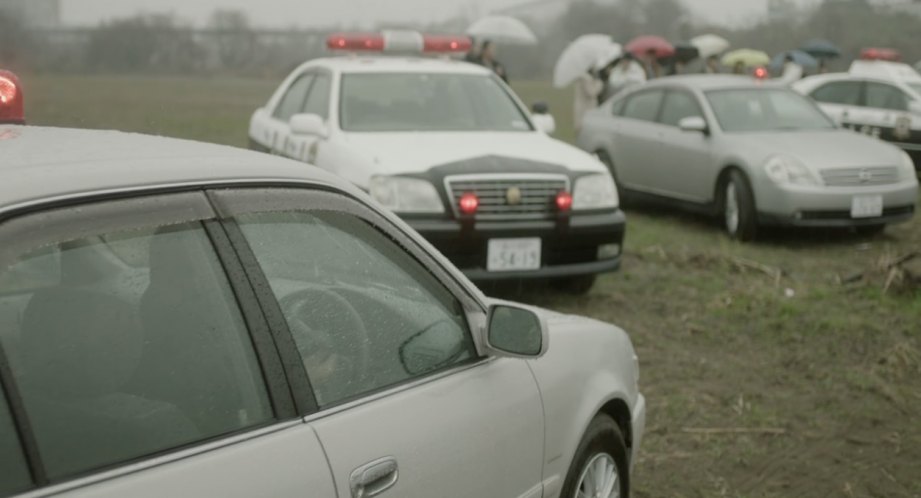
722,343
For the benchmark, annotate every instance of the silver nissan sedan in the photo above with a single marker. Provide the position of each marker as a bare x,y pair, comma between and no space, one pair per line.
754,152
186,319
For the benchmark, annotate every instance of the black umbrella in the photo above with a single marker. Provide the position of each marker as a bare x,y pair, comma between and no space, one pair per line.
685,52
821,49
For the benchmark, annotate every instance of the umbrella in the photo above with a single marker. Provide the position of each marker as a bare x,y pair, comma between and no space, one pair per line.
881,54
799,57
747,57
584,53
642,45
502,29
685,52
710,45
821,49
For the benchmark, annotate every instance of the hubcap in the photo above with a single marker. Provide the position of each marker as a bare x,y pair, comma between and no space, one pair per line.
732,208
599,478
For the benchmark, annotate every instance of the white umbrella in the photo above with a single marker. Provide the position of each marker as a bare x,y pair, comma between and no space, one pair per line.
503,29
584,53
710,45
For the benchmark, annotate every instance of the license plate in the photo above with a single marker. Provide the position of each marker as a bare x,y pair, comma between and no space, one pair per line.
513,254
867,206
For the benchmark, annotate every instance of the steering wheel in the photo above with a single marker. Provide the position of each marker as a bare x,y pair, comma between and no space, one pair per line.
332,341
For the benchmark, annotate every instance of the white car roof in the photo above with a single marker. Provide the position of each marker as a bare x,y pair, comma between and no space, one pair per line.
885,70
39,164
364,63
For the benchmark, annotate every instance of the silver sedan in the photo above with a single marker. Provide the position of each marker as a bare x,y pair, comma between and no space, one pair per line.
755,153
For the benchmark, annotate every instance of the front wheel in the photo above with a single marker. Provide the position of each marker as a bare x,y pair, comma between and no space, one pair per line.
600,467
739,215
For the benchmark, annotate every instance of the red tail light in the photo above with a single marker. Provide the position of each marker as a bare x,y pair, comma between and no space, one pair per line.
469,203
11,104
564,201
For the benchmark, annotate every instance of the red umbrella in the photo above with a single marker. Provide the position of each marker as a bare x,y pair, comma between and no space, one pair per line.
880,54
642,45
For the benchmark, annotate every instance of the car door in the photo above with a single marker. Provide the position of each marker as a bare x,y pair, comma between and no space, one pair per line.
840,99
136,361
309,148
277,133
407,406
636,140
686,169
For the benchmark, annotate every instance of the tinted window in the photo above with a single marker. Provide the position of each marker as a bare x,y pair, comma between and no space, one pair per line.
841,92
128,344
14,474
428,102
643,106
765,110
883,96
318,98
293,101
677,106
364,314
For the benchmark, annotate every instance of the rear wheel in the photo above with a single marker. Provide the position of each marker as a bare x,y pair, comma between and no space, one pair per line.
599,469
738,202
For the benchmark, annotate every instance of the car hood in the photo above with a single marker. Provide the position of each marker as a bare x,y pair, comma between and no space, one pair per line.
401,153
825,149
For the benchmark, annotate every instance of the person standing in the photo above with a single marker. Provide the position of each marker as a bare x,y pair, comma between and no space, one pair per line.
626,72
487,57
587,89
651,64
792,72
713,65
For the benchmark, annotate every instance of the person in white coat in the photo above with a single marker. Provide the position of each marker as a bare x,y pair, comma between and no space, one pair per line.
587,89
792,72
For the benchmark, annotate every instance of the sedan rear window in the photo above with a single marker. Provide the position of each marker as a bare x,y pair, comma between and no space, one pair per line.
428,102
765,109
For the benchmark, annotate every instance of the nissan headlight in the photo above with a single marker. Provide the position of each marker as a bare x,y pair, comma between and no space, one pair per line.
784,170
594,192
406,195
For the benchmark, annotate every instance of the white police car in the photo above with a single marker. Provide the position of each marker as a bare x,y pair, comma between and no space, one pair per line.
875,97
450,148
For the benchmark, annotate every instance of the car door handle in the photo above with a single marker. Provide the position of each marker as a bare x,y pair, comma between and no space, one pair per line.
372,479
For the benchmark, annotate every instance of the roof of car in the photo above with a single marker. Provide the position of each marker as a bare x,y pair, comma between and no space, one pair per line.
704,82
40,164
366,63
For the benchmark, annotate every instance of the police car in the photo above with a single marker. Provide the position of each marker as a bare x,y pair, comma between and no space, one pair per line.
451,149
876,97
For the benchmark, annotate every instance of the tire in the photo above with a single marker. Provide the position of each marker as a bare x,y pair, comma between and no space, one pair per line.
609,163
870,230
740,219
577,286
602,441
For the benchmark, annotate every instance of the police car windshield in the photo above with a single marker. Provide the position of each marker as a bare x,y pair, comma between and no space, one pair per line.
427,102
763,109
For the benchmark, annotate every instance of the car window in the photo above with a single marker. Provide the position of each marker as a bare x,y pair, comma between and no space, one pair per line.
126,345
839,92
423,102
14,472
882,96
365,315
766,109
318,98
293,100
643,106
677,106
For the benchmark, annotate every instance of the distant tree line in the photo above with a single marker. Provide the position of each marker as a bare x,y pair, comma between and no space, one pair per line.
229,44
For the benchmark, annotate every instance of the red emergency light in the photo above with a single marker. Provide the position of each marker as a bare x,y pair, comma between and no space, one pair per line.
761,73
880,54
469,203
398,41
11,103
564,201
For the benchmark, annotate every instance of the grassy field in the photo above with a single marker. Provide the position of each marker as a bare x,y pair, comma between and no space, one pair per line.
786,368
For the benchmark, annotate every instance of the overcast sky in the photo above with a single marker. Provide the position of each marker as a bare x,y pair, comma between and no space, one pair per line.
286,13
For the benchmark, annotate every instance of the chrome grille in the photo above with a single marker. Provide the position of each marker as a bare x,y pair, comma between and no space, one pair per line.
537,199
850,177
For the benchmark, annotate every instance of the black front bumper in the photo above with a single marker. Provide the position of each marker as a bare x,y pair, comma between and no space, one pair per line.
569,245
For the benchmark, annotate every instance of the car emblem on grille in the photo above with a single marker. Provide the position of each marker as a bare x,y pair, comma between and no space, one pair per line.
513,196
865,176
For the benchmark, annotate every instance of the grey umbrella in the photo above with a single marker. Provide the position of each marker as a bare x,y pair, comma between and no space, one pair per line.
821,49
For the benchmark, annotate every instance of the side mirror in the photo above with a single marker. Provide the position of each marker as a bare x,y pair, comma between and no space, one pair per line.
540,108
437,346
694,124
308,124
516,332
